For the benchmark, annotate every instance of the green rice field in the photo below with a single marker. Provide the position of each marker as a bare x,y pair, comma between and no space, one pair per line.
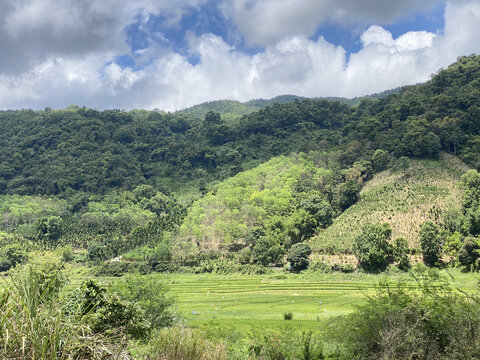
242,302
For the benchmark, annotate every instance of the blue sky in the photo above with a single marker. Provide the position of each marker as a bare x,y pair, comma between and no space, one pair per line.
170,54
209,19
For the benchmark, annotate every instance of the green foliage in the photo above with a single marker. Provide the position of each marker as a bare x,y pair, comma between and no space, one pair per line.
401,323
151,296
106,312
469,253
96,252
348,194
380,159
49,230
298,256
471,202
34,326
278,199
266,251
372,249
400,254
287,316
67,253
11,255
180,343
453,243
431,243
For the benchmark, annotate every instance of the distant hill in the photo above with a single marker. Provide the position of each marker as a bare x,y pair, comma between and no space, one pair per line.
431,188
231,109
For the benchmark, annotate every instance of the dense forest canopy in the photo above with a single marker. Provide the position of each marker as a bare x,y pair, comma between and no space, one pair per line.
58,152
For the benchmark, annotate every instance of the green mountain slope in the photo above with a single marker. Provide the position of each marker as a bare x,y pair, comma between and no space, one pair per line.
263,197
429,190
57,152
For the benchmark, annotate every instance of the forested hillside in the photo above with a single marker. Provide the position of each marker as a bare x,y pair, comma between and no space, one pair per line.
80,149
119,180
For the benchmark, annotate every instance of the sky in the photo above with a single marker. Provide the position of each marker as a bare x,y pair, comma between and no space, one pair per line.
171,54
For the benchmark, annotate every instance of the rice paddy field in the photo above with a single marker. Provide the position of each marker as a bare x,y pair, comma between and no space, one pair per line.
242,302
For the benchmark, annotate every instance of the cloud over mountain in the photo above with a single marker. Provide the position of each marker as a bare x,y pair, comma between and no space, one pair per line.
55,53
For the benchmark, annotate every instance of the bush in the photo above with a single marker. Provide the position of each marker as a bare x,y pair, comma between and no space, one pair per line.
12,255
347,268
96,252
34,326
427,321
400,254
67,253
372,249
287,316
105,312
151,295
298,256
380,160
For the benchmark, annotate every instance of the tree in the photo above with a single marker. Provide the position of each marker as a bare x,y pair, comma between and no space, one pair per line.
266,251
431,243
372,249
319,208
298,256
400,254
12,255
49,230
151,295
469,253
96,252
380,160
348,194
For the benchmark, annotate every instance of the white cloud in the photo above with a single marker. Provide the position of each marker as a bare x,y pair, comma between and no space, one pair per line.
292,65
264,22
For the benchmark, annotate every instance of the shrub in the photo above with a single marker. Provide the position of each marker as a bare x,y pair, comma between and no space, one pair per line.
372,249
106,312
67,253
151,295
12,255
400,252
298,256
287,316
49,230
380,160
34,326
427,321
347,268
96,252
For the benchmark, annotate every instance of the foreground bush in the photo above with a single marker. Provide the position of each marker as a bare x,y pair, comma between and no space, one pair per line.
33,325
401,322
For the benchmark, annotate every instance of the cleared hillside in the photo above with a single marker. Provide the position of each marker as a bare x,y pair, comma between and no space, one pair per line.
429,189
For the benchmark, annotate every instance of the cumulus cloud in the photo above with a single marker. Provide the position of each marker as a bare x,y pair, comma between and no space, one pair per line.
294,64
31,31
264,22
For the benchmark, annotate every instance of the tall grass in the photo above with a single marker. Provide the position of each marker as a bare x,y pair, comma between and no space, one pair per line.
178,343
33,326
